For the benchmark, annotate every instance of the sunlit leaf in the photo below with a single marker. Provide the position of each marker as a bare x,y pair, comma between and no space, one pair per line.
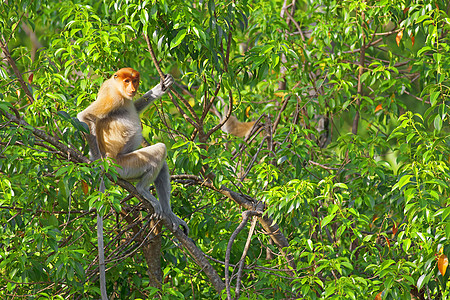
327,220
420,281
442,264
379,107
85,187
378,296
399,36
394,229
438,122
434,96
178,39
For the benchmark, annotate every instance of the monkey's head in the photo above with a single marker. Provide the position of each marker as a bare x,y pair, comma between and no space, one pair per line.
127,80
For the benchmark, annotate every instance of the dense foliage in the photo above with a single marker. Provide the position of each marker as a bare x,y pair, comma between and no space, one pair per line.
352,160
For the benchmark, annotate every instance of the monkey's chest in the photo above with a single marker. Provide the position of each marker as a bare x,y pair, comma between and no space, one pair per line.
120,134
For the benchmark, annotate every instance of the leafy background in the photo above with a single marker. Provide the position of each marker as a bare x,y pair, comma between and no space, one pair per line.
352,162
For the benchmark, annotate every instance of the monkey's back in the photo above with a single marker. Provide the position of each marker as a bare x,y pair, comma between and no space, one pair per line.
235,127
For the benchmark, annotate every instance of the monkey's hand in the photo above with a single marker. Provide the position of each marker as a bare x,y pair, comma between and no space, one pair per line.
165,84
176,222
157,92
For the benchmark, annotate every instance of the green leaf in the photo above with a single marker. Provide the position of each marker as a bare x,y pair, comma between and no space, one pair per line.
445,213
178,39
447,230
211,7
179,144
266,49
403,181
327,220
438,122
421,282
340,185
433,97
347,265
406,243
310,245
424,49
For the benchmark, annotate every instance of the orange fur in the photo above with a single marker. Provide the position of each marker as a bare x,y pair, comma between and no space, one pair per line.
235,127
115,93
110,137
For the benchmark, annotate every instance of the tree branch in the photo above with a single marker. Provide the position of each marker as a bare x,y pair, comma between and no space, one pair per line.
272,229
75,156
244,254
195,123
12,63
245,216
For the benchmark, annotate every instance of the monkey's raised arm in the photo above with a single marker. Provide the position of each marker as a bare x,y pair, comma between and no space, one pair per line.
142,103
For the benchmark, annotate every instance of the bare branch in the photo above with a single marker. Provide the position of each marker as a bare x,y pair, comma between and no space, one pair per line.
272,229
195,123
75,156
244,254
12,63
245,215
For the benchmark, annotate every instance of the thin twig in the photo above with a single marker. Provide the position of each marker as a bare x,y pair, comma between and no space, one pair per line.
362,55
12,63
244,254
245,215
197,122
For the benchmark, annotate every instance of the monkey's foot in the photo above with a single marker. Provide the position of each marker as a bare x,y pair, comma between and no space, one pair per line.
176,221
157,209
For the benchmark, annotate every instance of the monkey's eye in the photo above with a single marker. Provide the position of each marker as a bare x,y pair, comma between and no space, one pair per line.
127,80
115,75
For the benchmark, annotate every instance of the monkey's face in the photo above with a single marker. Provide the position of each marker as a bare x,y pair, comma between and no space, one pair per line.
127,81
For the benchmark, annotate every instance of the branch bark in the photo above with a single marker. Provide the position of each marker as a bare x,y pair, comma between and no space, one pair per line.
245,216
244,254
12,63
272,229
150,250
362,55
77,157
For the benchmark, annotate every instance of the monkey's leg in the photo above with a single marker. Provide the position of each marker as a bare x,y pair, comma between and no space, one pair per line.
144,165
163,188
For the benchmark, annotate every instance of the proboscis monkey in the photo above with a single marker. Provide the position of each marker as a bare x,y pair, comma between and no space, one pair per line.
116,132
233,126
